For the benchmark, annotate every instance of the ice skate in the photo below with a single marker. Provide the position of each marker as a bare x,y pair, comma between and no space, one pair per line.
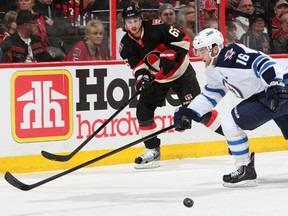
149,159
244,176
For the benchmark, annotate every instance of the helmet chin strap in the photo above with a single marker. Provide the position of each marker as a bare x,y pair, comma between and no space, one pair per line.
213,59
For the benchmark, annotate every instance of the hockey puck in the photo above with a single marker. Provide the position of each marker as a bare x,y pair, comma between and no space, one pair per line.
188,202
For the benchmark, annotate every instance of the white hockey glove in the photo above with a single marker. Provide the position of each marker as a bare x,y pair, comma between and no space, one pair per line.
276,94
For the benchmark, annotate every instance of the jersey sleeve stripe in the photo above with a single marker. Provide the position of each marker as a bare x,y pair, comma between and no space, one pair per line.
211,100
182,44
266,66
261,63
255,64
220,91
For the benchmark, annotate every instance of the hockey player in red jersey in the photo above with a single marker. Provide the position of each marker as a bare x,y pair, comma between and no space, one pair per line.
157,54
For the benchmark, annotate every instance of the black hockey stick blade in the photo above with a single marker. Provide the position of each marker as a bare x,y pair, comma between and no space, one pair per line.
64,158
26,187
16,183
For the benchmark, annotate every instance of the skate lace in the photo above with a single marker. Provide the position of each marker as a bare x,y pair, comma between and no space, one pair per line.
238,172
151,153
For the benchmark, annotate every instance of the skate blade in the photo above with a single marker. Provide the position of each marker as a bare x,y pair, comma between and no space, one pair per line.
150,165
246,183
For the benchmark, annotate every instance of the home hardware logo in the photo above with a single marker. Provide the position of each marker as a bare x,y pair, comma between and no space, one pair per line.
41,105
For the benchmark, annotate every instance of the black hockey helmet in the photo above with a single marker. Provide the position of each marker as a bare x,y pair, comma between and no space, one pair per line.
131,11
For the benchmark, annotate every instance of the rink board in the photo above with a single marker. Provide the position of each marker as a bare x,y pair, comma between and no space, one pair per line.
56,106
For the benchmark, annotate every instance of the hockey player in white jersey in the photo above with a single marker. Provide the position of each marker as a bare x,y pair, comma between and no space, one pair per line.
250,75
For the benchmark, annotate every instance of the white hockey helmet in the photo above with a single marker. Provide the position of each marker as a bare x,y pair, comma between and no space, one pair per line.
207,38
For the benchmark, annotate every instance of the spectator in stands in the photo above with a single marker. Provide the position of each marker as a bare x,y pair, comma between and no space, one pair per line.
230,9
145,4
91,48
174,3
95,10
186,22
255,38
25,4
41,30
280,42
57,26
24,45
232,4
246,9
9,24
265,8
183,3
149,4
209,12
231,33
70,9
166,13
210,24
87,12
280,8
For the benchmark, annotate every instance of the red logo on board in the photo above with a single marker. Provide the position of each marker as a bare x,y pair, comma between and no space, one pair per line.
41,105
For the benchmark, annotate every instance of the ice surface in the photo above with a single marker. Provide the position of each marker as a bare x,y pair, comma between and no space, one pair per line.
121,190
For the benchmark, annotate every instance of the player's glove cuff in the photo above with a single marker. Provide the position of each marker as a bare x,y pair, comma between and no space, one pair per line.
143,85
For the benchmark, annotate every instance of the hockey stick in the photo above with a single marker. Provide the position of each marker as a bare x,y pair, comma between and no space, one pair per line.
25,187
64,158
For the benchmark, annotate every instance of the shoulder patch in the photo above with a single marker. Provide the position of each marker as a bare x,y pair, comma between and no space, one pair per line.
120,47
229,54
157,22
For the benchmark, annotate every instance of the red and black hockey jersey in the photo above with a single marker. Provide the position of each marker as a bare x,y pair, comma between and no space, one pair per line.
156,37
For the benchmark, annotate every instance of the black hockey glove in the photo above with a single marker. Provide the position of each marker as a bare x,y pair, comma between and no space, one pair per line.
183,118
144,85
167,61
276,94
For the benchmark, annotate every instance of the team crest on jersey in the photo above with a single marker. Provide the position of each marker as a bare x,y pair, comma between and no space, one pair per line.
152,60
229,54
157,22
77,52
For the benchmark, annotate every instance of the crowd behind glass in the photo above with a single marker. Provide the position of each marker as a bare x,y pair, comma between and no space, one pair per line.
78,30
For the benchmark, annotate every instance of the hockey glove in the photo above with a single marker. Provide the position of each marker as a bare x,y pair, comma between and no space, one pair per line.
144,85
183,118
276,94
167,61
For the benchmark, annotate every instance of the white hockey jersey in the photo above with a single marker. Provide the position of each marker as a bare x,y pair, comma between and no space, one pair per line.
238,69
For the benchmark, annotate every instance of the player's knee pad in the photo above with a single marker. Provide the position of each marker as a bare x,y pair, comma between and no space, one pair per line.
229,127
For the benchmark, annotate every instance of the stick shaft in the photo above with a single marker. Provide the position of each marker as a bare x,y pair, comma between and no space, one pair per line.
22,186
63,158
